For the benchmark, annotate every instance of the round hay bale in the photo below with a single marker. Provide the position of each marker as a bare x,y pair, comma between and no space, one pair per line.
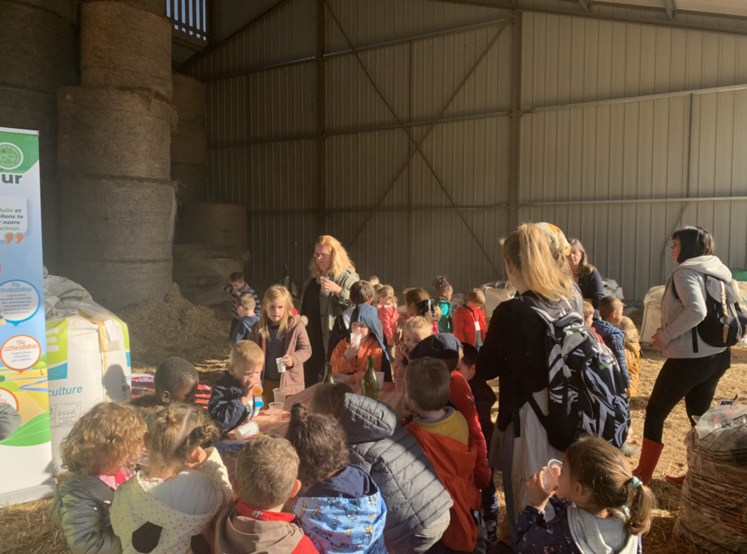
37,111
124,47
197,268
189,144
157,7
191,182
116,285
61,8
106,132
38,48
189,98
50,213
117,219
219,225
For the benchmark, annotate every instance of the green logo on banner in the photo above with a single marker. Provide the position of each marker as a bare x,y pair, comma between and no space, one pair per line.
11,156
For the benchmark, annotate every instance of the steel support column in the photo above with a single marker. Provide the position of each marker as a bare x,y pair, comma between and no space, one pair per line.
514,173
321,117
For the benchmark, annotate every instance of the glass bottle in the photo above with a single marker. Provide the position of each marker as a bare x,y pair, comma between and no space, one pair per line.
370,386
328,378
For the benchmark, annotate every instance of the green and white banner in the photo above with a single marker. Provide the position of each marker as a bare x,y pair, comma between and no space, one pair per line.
26,453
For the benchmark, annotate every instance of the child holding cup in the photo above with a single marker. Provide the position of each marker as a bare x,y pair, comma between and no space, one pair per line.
285,343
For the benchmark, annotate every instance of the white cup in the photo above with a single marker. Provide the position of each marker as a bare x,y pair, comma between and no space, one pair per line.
380,378
281,365
399,387
249,429
279,395
355,339
276,410
550,474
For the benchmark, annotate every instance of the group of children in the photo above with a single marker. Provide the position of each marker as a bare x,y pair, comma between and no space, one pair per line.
146,477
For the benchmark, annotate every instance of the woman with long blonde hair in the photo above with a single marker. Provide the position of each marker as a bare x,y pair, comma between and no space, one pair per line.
515,351
325,295
282,336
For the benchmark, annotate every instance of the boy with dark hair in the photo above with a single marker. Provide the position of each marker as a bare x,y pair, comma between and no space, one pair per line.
175,380
485,399
245,305
266,477
236,288
443,434
361,292
448,349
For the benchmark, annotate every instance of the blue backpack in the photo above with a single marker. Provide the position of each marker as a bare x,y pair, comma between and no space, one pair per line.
586,393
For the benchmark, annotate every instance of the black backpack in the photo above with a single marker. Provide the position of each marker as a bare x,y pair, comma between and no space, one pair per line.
586,392
724,323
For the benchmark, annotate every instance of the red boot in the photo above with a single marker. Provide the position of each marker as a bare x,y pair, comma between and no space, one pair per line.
650,453
676,479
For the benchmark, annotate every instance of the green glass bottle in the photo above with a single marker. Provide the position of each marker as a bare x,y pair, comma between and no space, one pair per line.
370,382
328,379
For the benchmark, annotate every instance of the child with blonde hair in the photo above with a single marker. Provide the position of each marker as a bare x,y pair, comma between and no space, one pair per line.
100,452
169,506
469,320
632,353
444,291
416,329
419,303
232,398
599,505
386,303
281,335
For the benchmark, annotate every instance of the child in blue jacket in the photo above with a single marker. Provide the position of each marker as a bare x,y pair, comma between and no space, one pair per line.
611,312
339,507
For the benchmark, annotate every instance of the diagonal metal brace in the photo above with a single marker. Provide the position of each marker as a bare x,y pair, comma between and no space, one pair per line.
417,145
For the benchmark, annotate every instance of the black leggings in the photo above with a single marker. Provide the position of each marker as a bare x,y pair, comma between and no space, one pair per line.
694,379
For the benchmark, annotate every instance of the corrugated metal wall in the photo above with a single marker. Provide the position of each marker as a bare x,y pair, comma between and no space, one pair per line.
589,131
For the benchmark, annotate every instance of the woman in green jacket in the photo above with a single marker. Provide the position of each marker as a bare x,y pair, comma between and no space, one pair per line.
325,295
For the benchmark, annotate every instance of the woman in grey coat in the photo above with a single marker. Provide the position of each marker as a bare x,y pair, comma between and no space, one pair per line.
417,503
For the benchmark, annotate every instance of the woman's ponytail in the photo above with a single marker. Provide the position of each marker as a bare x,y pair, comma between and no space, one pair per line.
640,503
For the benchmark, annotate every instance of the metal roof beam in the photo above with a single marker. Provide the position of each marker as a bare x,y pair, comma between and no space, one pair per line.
671,7
585,4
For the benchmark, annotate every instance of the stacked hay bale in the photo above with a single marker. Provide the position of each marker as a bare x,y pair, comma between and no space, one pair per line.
117,200
215,238
38,58
212,237
189,143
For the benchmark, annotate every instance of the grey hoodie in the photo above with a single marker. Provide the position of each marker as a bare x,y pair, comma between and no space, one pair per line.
414,496
594,535
678,317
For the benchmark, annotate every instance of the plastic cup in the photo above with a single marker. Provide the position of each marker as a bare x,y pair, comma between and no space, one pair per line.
380,378
359,381
281,365
276,410
399,387
249,429
279,395
341,378
355,339
550,474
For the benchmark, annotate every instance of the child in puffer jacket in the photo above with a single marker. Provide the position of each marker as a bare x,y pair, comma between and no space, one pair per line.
611,312
444,291
632,353
100,452
339,507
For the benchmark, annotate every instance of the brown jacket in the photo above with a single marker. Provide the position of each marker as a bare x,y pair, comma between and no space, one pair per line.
297,346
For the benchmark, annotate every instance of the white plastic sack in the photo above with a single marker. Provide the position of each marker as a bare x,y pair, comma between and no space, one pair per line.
651,313
611,288
495,294
88,357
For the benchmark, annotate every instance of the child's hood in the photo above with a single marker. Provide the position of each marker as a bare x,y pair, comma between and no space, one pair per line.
236,535
709,265
594,535
606,329
345,522
366,420
369,316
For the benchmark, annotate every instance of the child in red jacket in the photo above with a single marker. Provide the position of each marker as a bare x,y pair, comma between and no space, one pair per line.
449,350
386,303
469,320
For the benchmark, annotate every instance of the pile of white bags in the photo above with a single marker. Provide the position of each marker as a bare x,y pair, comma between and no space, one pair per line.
495,294
651,313
714,504
611,288
88,356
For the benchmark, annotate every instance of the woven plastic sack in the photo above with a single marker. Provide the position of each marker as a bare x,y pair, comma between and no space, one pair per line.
651,313
713,513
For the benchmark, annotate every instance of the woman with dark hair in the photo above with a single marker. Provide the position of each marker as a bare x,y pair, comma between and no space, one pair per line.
693,367
586,275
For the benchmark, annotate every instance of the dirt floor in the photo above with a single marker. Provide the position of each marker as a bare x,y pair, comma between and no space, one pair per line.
177,328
